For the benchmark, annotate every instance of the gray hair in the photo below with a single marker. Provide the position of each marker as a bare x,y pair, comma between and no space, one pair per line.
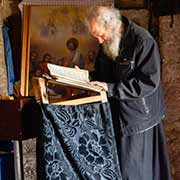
104,15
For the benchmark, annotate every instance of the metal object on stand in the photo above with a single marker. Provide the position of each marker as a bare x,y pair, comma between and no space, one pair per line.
18,160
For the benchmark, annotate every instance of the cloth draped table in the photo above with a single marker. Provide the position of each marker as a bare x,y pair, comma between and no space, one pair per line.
77,143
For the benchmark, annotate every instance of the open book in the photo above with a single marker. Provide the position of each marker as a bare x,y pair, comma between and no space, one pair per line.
62,84
57,71
69,76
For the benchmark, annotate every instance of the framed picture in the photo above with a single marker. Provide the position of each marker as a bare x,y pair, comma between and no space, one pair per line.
54,31
127,4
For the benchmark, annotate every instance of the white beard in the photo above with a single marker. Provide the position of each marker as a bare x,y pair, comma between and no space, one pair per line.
111,48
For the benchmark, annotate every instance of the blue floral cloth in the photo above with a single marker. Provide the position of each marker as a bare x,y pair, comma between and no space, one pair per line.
77,143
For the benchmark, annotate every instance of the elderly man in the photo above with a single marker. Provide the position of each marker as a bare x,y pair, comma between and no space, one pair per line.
128,68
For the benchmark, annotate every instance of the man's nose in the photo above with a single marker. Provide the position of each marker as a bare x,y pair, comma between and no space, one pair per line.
100,39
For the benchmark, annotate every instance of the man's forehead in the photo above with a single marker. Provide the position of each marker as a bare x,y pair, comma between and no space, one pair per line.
95,26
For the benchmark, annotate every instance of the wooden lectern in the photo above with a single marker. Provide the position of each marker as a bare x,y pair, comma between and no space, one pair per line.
75,94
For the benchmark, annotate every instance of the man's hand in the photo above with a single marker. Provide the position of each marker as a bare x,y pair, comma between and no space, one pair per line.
103,85
76,67
100,84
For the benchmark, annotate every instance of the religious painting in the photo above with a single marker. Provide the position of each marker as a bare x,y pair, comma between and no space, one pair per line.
55,32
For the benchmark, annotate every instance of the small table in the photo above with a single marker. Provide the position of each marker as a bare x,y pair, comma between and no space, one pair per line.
19,120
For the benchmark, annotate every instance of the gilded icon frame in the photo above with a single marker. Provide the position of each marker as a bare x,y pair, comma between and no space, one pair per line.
41,20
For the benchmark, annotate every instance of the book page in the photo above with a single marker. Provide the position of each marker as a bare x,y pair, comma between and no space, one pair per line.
68,73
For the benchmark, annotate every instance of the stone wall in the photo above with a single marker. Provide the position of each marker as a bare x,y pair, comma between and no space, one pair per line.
170,51
136,16
3,72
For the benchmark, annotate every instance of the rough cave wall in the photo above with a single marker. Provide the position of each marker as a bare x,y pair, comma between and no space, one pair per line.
169,41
